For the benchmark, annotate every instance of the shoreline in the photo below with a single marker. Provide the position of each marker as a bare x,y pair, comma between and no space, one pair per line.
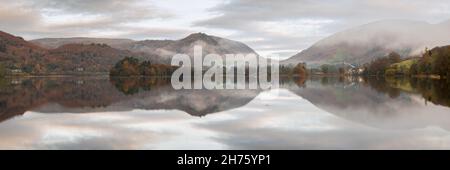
435,77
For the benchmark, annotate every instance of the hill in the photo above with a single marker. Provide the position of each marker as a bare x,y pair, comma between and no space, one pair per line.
22,57
52,43
365,43
165,49
96,55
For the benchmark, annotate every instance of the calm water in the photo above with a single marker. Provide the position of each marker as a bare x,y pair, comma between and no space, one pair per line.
318,113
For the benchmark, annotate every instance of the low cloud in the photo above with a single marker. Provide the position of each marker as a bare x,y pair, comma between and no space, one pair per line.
295,25
281,27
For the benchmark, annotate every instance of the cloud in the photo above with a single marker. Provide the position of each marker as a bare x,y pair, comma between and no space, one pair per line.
131,10
36,19
17,17
294,25
247,12
156,33
282,27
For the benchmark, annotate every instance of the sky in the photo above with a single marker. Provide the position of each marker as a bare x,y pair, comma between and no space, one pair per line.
282,27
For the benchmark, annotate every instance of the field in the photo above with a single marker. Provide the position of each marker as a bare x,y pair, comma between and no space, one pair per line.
401,68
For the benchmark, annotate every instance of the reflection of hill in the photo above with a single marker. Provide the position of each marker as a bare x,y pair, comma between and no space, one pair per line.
84,95
151,94
382,103
375,103
20,95
330,92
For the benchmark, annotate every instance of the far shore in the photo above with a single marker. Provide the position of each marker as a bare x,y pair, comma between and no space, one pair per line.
437,77
59,75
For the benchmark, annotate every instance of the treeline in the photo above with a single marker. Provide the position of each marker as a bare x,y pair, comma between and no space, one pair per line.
435,91
330,69
130,66
379,66
432,63
294,71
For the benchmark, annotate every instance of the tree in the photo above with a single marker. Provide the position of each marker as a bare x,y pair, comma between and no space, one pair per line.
441,64
128,66
2,47
435,61
341,70
145,68
380,65
413,70
394,57
424,65
28,68
325,68
300,70
2,70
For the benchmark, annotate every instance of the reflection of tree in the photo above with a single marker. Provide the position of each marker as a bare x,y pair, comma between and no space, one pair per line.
288,82
127,86
130,85
18,95
324,81
300,81
380,84
435,91
96,94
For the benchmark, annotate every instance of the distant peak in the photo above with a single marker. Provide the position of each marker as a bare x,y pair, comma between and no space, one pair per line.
8,35
199,37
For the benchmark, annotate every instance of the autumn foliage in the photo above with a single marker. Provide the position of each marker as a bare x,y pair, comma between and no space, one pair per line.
131,66
20,56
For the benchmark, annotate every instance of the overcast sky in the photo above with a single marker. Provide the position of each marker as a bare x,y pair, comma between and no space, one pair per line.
283,26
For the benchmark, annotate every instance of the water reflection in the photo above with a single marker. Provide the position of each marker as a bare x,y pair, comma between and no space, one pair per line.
382,103
314,113
98,94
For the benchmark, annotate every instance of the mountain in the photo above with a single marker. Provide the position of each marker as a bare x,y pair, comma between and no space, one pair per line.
52,43
21,56
90,58
16,53
210,44
17,46
98,55
148,46
163,48
365,43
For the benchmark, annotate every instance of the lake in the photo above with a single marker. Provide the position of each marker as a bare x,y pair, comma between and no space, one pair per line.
147,113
